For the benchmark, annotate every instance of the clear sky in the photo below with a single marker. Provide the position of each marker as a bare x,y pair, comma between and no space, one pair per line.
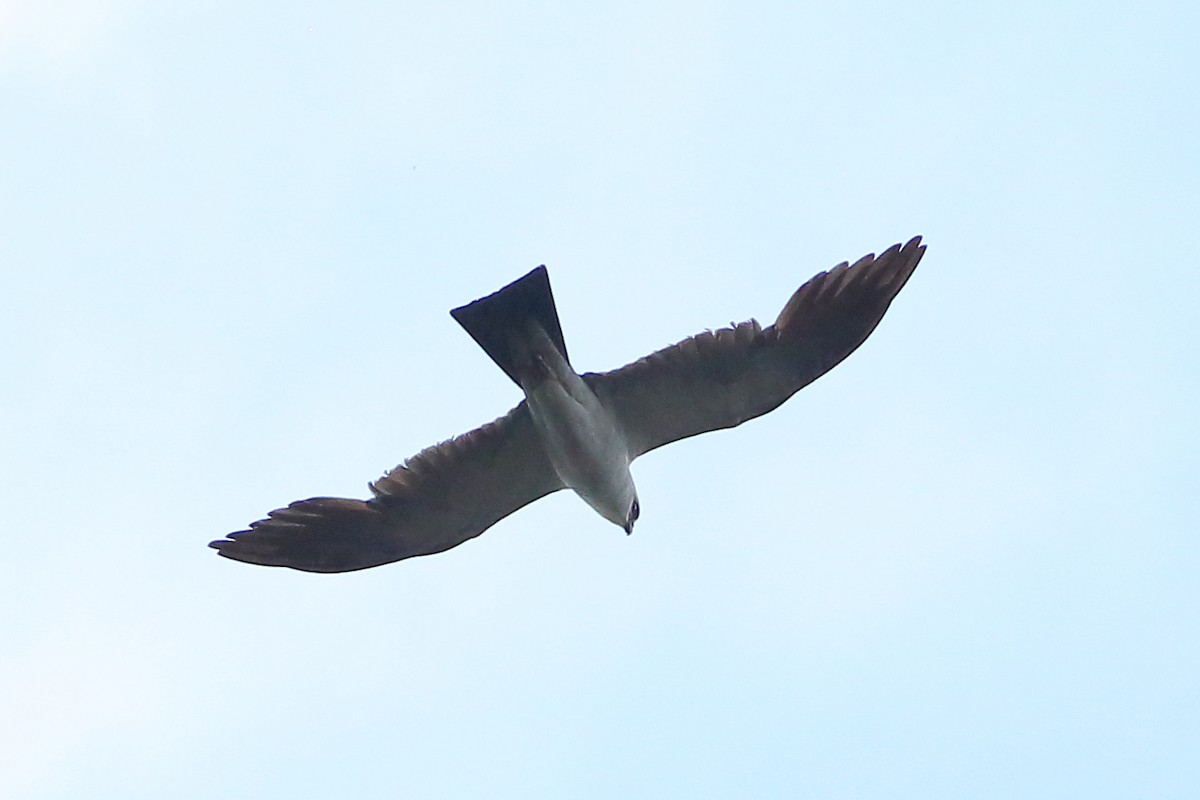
963,564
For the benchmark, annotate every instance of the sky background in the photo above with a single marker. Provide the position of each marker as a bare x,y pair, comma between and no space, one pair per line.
963,564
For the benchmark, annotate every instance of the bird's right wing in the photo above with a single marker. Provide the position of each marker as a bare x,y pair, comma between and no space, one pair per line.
438,499
722,378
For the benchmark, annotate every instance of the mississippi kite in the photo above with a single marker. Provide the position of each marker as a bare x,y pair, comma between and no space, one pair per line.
578,431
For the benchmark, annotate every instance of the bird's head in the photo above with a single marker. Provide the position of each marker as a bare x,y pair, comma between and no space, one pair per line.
634,511
617,504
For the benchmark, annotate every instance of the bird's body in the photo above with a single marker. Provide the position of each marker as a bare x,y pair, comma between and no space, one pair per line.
519,327
584,446
578,431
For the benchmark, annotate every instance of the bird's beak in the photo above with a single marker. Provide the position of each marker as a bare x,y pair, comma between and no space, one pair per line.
629,527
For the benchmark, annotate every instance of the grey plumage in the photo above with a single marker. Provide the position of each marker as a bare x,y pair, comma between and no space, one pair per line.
455,490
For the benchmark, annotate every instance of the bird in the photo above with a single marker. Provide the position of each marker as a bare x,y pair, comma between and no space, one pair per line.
578,431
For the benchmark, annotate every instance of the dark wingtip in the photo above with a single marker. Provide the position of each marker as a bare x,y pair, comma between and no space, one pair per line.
914,244
220,545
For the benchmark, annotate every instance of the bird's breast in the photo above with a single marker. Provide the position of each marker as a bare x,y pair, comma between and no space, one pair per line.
584,445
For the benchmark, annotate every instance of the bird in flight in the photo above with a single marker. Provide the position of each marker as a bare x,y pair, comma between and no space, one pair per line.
573,431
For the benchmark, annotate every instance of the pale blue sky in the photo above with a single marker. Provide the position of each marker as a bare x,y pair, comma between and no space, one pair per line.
964,564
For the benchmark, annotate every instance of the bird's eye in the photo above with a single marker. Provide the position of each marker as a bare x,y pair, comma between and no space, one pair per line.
635,511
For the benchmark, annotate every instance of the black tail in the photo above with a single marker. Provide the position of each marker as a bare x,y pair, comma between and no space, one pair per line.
499,322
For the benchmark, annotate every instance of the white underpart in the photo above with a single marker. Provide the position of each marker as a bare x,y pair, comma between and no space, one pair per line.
584,444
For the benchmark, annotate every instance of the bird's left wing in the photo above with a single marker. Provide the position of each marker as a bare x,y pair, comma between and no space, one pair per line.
722,378
438,499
